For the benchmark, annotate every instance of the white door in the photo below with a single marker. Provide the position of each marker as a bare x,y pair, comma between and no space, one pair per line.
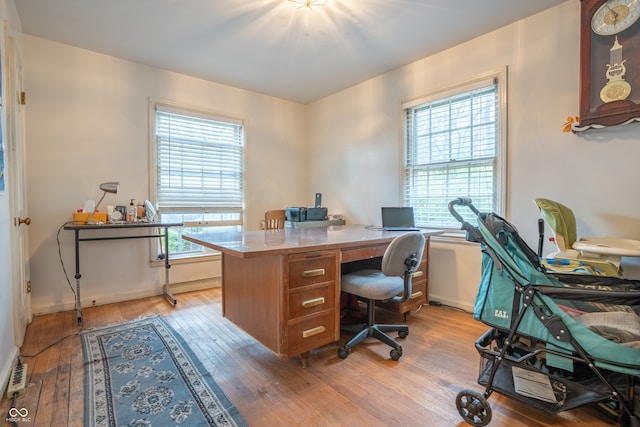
15,182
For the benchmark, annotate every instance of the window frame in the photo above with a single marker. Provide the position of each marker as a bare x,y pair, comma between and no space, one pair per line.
169,106
499,77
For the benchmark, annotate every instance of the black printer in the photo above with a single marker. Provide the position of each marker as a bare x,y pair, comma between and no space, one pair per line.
316,213
306,214
296,214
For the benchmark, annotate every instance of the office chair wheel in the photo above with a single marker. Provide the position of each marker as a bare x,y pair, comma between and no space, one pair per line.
395,354
403,334
473,408
343,352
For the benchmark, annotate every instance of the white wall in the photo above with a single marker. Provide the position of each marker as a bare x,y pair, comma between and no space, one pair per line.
355,141
87,122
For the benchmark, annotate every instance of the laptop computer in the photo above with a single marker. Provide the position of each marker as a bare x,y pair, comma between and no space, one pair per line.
398,219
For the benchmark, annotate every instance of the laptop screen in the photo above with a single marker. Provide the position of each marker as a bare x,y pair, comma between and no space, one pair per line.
397,217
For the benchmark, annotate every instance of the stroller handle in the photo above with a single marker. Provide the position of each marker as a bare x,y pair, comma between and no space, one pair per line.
473,234
461,201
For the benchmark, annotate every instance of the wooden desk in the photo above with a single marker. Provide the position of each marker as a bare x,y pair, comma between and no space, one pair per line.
282,287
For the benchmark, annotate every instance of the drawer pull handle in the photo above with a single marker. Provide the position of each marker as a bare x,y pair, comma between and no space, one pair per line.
313,331
416,295
313,302
417,274
313,273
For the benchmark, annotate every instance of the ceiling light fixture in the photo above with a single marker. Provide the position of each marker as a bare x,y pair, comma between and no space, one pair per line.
307,4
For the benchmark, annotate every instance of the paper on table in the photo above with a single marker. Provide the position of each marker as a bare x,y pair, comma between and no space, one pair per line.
533,384
89,206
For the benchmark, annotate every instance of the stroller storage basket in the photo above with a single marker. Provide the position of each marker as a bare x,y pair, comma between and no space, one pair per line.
569,389
556,342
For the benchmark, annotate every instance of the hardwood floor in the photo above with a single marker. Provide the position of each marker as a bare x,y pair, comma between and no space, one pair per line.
366,389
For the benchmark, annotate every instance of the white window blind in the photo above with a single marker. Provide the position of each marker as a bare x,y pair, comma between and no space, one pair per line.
198,168
199,162
452,146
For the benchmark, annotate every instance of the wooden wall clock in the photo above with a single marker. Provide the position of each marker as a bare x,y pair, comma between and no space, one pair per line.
609,63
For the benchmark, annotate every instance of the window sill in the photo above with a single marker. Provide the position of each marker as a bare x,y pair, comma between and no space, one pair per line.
458,237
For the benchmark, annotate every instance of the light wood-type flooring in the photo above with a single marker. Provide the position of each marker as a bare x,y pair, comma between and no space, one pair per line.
366,389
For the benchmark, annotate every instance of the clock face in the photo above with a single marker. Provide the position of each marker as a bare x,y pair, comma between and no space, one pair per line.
615,16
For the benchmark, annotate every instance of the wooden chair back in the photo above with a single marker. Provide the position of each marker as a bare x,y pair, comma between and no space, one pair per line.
274,220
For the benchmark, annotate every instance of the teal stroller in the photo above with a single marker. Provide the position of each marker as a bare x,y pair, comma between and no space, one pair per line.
556,341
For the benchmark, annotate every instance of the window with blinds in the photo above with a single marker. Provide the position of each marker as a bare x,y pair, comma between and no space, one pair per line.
198,172
453,150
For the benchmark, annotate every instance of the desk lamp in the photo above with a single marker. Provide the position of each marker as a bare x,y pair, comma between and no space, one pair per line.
106,187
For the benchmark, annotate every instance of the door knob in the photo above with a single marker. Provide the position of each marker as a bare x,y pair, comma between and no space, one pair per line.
25,221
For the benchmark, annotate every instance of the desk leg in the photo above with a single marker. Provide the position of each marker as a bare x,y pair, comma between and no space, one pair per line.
77,276
167,266
304,359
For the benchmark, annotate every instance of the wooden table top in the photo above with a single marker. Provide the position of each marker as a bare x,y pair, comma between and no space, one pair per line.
293,240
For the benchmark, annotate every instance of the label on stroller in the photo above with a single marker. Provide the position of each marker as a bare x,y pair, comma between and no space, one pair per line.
533,384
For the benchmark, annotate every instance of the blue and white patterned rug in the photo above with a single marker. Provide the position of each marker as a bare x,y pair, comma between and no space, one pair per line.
142,373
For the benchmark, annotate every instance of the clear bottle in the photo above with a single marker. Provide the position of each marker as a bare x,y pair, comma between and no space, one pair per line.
131,212
140,211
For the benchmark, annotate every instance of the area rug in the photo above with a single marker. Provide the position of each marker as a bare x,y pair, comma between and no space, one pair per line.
142,373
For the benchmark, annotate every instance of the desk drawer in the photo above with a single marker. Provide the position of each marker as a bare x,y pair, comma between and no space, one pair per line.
311,299
312,332
418,297
312,270
419,294
368,252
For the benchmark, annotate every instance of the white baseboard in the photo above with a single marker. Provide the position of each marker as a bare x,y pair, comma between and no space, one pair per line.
174,288
196,285
451,303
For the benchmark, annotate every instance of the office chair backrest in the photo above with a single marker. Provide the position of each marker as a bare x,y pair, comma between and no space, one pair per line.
399,250
561,220
274,220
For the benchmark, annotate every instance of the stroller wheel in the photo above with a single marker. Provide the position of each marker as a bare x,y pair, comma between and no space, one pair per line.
473,407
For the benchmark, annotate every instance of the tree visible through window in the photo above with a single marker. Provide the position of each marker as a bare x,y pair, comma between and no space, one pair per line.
198,173
453,149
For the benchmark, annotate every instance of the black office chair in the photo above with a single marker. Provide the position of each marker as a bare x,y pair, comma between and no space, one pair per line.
399,262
